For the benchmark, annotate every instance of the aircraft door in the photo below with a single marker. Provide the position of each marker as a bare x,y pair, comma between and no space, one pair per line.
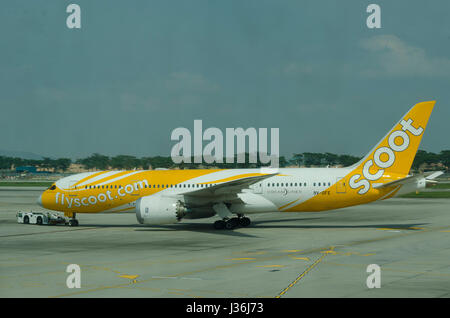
72,188
341,185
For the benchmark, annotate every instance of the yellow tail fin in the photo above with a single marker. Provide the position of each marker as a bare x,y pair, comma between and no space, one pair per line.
394,154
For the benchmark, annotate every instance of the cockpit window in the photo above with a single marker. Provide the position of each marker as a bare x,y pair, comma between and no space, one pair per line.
53,187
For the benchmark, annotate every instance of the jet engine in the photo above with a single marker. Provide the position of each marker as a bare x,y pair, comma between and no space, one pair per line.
156,210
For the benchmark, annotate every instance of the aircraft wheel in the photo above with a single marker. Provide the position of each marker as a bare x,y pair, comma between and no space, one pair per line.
26,220
219,225
232,223
73,222
244,221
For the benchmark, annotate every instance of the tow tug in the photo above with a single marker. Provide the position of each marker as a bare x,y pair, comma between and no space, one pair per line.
43,218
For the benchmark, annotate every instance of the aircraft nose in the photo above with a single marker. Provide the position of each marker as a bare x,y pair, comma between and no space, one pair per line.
39,200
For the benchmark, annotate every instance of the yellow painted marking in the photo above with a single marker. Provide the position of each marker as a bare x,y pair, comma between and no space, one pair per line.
305,272
399,229
292,251
301,258
129,276
242,258
446,231
329,252
270,266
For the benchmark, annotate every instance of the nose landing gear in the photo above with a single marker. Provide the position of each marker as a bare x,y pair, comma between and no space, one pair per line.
73,221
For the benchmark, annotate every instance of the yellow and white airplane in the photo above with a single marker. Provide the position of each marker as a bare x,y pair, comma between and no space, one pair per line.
168,196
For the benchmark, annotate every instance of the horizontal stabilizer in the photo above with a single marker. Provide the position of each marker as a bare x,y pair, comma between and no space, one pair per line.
427,175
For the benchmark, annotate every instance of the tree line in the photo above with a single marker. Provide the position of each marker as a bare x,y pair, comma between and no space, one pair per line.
307,159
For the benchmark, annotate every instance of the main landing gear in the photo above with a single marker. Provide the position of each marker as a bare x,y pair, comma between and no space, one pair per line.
228,221
232,223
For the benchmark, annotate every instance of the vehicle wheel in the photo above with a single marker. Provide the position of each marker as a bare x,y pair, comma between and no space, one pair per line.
39,220
73,222
232,223
26,220
244,221
219,225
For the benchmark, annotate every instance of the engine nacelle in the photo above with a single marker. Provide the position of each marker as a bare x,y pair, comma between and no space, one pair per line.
156,210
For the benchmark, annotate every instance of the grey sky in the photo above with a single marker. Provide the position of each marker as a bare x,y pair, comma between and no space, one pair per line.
139,69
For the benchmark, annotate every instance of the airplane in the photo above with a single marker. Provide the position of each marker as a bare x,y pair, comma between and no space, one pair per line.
168,196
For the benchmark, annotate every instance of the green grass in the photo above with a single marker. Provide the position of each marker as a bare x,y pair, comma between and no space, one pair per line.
441,186
434,194
25,183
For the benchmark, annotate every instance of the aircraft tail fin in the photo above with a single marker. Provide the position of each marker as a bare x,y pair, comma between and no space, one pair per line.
395,152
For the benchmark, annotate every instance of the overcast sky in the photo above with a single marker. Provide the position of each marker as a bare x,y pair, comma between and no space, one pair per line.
136,70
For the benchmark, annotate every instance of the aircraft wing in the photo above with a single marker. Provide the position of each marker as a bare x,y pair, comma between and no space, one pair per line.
428,176
228,187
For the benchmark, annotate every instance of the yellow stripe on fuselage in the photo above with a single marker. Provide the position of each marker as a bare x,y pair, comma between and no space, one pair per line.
114,194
